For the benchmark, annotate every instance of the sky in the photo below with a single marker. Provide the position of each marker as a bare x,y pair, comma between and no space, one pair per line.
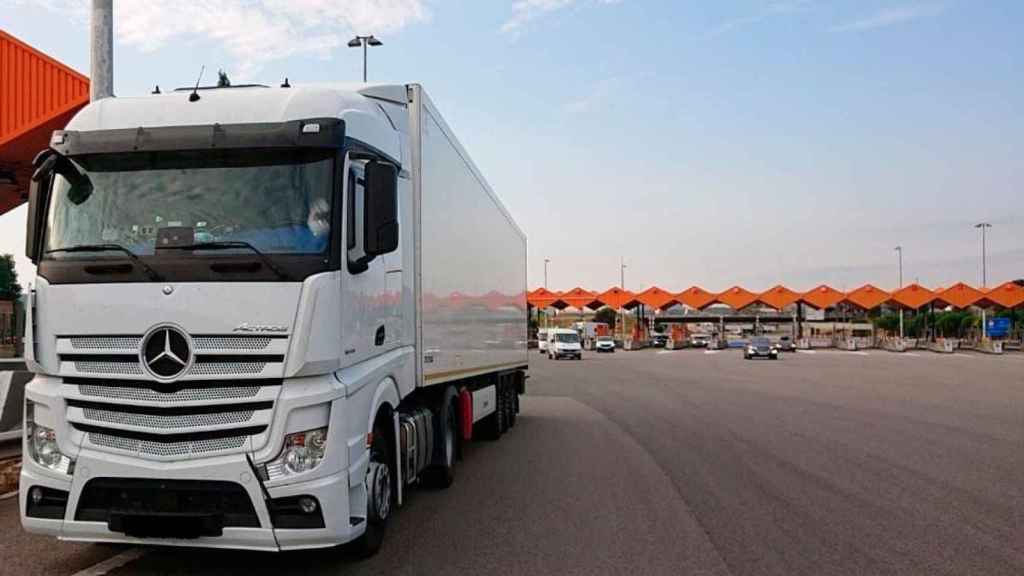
711,142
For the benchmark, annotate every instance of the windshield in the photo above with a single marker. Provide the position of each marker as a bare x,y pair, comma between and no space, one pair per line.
760,342
279,201
568,338
604,338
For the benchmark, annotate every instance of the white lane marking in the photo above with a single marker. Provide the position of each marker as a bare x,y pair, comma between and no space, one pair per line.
665,351
8,495
113,563
807,351
712,351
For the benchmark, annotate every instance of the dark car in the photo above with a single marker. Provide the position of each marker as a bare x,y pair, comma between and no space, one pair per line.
659,340
786,344
761,347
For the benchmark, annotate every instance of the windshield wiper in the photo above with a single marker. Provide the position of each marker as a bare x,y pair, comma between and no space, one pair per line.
227,245
150,272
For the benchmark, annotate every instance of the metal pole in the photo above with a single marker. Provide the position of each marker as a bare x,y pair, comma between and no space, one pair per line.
101,50
364,60
899,250
546,273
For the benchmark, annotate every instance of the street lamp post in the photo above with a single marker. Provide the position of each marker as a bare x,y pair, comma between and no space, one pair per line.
546,261
984,276
622,285
899,250
364,41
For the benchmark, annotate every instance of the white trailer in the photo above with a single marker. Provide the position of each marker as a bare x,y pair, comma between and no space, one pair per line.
261,315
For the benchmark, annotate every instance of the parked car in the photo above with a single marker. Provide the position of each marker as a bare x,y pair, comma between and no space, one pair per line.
564,343
604,344
760,347
786,344
700,340
658,340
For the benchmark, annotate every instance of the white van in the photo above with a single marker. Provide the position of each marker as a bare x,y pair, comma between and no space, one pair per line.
542,340
564,343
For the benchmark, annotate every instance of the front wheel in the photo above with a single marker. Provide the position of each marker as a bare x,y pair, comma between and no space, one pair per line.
379,493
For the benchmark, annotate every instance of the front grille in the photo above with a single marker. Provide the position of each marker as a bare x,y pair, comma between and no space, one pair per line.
105,343
146,394
132,368
215,356
102,498
169,421
166,448
160,421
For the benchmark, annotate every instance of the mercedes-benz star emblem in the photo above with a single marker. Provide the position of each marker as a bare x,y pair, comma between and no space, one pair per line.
166,352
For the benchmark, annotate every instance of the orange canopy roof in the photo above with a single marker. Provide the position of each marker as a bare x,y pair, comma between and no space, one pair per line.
37,96
913,296
822,297
541,298
868,297
778,297
959,295
579,298
1008,295
616,298
737,298
696,297
657,298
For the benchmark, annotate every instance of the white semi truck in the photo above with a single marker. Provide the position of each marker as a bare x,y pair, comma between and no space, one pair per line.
261,315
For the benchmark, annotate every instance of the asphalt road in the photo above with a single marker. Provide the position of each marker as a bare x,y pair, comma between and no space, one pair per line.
692,463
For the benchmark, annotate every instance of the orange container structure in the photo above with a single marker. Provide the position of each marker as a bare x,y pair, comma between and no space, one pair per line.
37,96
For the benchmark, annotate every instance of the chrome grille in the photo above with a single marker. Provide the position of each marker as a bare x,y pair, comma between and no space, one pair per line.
105,342
226,368
231,342
166,449
158,421
184,395
112,368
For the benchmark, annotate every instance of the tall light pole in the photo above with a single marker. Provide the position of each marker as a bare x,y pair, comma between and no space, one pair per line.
984,276
899,250
546,261
364,41
622,285
101,50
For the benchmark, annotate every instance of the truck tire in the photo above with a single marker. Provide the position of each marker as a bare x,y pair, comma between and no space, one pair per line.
441,474
512,405
493,426
379,491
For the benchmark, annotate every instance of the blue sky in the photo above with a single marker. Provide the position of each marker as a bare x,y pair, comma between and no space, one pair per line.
711,143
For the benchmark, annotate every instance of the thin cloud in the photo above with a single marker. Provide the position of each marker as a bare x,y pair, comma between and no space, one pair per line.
598,96
891,16
253,33
526,11
772,10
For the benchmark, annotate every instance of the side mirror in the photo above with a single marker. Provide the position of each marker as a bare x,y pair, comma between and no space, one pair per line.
37,190
380,209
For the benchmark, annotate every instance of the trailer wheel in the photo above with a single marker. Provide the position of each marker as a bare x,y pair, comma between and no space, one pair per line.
379,491
493,426
442,474
511,405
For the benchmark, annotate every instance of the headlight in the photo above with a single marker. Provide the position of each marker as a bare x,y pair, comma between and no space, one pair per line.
302,452
42,444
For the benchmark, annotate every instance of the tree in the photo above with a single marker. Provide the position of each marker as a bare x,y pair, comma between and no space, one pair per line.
222,79
606,315
9,287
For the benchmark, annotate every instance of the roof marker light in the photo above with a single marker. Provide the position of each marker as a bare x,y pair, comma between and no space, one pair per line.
57,139
311,128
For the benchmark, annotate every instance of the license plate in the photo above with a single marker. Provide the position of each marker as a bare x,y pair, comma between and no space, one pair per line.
166,525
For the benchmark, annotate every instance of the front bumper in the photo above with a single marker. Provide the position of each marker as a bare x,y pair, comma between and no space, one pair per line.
331,492
335,484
